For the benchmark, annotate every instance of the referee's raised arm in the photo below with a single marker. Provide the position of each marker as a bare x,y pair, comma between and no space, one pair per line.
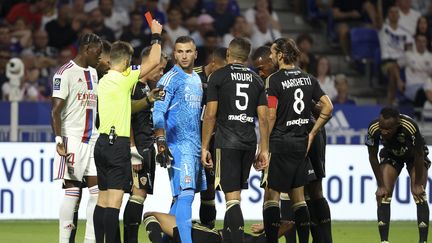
153,60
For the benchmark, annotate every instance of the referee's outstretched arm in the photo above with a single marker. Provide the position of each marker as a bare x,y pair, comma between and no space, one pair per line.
150,63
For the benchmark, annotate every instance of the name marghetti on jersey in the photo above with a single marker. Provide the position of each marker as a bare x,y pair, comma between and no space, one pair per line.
294,82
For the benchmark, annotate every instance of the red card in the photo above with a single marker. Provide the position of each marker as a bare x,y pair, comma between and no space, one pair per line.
149,18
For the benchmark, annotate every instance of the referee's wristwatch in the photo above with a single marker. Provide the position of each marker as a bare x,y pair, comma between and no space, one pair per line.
58,140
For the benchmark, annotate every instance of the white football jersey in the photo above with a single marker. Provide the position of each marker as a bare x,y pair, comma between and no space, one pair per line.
78,87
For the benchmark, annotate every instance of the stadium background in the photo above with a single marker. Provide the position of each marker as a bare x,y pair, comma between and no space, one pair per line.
28,194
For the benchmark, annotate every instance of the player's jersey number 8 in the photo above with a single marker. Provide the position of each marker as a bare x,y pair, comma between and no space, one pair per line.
298,105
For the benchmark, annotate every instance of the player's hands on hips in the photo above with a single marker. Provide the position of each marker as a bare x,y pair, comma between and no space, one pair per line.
163,156
206,159
156,27
262,161
381,193
418,193
136,159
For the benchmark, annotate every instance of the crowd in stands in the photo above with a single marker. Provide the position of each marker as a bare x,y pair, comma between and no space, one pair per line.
43,34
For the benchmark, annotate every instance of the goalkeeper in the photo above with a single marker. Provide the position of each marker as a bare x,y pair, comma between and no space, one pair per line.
176,120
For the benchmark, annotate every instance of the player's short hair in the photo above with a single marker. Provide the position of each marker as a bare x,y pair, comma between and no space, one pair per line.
390,112
106,46
239,48
87,39
185,39
261,52
220,53
288,48
120,50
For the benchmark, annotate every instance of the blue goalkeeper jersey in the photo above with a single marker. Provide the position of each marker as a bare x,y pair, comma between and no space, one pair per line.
180,112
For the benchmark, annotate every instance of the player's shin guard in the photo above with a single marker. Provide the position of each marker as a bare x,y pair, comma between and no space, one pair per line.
153,229
322,211
302,221
111,225
423,220
67,209
271,216
207,212
314,227
233,222
132,218
98,223
90,233
287,214
184,215
384,218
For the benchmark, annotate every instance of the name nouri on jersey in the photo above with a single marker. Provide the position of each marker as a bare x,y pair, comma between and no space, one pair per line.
241,77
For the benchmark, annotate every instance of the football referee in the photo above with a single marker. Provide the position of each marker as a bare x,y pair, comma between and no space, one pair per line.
112,149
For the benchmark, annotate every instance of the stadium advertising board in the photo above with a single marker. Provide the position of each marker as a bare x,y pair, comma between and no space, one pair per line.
27,189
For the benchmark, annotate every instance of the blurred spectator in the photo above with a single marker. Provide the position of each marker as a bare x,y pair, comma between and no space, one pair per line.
418,68
307,60
422,6
115,19
393,42
49,13
167,44
427,108
7,41
60,31
341,85
264,7
348,14
407,16
190,8
135,36
97,24
21,32
262,32
423,28
211,42
5,7
45,55
225,18
30,12
233,6
152,7
240,29
173,28
5,55
64,56
205,24
325,78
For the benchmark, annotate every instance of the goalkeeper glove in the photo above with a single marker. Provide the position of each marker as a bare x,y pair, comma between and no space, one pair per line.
136,158
164,155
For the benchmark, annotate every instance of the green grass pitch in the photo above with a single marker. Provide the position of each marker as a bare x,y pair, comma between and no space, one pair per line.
45,231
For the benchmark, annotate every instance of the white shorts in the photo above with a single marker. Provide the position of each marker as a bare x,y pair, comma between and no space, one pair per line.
81,161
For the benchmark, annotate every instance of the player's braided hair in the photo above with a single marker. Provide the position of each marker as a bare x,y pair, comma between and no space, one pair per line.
88,39
288,48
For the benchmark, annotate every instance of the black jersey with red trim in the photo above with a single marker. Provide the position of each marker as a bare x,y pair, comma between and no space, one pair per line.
403,143
142,122
238,91
291,92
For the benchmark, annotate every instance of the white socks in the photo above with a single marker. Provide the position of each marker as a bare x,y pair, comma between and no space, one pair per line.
67,209
89,233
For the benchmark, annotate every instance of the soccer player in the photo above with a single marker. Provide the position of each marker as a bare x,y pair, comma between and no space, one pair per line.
73,114
317,204
402,144
207,211
290,91
112,149
156,223
142,149
176,121
235,96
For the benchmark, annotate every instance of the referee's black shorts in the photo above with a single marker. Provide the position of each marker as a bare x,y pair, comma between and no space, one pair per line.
113,163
